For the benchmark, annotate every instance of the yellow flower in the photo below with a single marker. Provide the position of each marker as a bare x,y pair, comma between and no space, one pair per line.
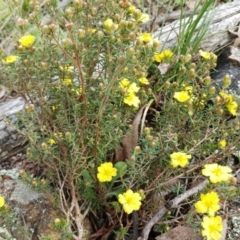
54,108
131,201
2,201
124,83
205,55
144,18
27,40
179,159
222,144
209,203
67,81
91,30
66,68
144,81
106,171
51,141
232,107
109,25
77,91
217,173
146,37
58,134
131,9
182,96
230,104
132,100
133,88
166,54
10,59
212,227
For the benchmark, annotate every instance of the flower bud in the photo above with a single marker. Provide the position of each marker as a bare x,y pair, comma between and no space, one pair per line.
32,106
57,221
45,28
207,80
156,44
217,99
188,58
109,25
22,173
124,4
43,65
26,62
44,146
69,25
131,25
66,42
123,24
112,38
6,208
220,111
67,134
130,51
226,81
21,22
147,130
192,72
43,181
167,84
139,42
183,70
52,26
212,90
232,180
94,10
78,3
149,137
100,34
141,192
137,149
153,143
133,159
69,12
32,15
193,65
137,14
34,183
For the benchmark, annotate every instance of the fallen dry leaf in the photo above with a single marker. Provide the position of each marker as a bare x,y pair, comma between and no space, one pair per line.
130,141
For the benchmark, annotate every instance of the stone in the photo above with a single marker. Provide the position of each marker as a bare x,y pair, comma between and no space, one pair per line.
32,212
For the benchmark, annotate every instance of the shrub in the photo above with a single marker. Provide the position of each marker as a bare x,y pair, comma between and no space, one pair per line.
110,129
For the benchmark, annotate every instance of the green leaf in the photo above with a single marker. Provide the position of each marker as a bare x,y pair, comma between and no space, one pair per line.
114,193
121,169
116,206
86,176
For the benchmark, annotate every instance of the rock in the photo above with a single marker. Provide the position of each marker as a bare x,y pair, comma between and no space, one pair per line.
32,212
180,232
11,141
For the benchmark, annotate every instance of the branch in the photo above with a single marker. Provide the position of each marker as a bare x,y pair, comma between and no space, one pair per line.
171,204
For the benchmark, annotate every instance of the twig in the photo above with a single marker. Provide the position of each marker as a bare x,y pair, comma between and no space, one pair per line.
135,225
173,204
